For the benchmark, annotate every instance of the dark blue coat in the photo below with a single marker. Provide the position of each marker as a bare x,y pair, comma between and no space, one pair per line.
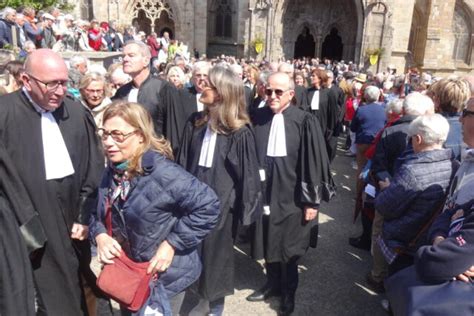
165,203
414,194
369,119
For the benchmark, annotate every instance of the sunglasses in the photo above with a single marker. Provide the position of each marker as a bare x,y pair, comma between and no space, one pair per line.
278,92
466,113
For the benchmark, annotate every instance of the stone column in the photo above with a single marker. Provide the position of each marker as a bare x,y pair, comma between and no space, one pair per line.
200,26
402,15
439,40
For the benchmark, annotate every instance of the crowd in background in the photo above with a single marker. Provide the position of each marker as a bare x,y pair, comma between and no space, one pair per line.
404,129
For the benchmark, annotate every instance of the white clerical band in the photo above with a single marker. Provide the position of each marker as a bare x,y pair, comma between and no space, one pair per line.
207,148
133,95
315,101
277,138
200,106
262,104
57,161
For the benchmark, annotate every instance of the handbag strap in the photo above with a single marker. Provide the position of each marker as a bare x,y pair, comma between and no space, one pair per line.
108,216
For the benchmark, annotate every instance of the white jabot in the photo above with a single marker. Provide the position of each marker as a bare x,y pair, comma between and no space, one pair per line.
277,138
57,161
207,148
262,104
200,106
315,101
133,95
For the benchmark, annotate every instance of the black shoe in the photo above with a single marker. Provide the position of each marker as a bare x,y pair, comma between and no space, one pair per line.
287,305
264,293
360,243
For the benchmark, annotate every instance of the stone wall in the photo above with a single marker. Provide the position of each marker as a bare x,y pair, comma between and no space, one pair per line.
362,25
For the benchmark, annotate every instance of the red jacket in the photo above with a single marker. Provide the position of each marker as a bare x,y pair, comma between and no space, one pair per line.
95,39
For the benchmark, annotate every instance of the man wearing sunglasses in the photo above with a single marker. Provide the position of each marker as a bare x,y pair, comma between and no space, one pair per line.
51,141
292,152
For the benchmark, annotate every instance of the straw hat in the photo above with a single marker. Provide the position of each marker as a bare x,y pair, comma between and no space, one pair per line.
361,78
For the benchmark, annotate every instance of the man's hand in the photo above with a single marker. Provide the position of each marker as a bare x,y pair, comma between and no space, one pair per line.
437,240
467,275
310,213
79,231
162,260
107,248
383,184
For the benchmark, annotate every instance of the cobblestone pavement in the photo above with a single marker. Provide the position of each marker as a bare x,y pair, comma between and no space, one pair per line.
331,276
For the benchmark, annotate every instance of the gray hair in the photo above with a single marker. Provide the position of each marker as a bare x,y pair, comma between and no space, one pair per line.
371,94
330,74
200,65
7,11
263,77
433,128
417,104
144,49
77,60
176,70
286,67
395,106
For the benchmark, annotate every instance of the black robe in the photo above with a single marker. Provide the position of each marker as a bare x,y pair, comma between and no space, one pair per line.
302,178
328,117
234,178
159,98
59,202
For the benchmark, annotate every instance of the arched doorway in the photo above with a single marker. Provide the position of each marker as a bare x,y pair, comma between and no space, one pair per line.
304,45
155,15
320,16
332,46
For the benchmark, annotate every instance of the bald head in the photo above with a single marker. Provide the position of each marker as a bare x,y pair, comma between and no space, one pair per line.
44,61
45,78
286,68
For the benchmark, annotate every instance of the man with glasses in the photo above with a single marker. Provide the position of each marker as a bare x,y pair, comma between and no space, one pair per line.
292,152
51,141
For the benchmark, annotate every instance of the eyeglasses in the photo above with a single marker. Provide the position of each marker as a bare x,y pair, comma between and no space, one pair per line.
278,92
466,113
52,85
117,136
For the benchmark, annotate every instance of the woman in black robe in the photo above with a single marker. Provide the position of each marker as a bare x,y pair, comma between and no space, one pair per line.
219,149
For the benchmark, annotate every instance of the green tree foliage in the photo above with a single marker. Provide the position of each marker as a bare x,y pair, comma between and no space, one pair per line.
37,4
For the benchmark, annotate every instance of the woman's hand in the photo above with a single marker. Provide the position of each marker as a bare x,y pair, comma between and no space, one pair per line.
467,275
162,260
107,248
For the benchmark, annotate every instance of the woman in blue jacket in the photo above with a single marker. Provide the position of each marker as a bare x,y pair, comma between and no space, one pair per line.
160,212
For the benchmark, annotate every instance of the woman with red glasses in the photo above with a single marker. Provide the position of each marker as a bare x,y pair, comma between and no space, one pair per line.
150,209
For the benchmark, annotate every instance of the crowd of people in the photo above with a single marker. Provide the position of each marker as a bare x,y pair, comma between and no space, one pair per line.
170,159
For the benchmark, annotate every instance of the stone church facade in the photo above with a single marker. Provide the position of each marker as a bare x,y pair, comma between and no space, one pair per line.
435,35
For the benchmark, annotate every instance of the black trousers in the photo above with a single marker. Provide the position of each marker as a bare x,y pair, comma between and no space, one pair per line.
283,275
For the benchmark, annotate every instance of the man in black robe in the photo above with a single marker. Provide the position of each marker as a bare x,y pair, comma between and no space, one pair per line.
155,94
292,151
51,142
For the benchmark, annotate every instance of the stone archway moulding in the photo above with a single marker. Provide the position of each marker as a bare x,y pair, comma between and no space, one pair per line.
153,10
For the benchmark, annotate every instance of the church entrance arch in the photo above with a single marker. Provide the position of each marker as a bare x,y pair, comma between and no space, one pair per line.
336,27
305,44
332,46
154,16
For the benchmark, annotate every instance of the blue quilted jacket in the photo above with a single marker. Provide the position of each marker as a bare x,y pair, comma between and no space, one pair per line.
414,194
166,202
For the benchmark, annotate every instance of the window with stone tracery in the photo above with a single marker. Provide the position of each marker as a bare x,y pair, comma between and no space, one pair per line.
462,31
222,14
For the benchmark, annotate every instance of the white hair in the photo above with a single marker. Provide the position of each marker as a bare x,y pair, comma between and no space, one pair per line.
395,106
201,65
144,48
7,11
371,94
286,67
433,128
417,104
77,60
237,69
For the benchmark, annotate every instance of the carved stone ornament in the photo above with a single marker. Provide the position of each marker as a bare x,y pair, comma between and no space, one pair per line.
152,9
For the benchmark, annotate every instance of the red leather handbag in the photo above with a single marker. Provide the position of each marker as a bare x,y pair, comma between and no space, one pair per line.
125,281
